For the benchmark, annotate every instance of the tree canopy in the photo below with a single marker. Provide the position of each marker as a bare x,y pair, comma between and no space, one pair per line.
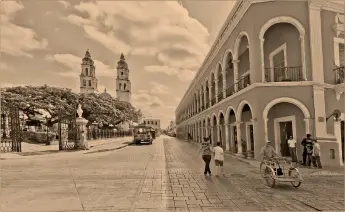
41,100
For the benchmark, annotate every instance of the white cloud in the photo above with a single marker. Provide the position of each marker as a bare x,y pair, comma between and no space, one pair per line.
158,88
64,3
72,63
17,40
162,29
182,74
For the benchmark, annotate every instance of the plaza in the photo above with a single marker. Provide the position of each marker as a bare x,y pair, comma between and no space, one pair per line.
165,176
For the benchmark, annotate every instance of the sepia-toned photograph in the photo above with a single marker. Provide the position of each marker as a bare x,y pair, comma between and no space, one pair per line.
158,106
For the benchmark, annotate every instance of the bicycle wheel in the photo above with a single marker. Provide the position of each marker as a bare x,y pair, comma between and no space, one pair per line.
263,169
270,177
296,176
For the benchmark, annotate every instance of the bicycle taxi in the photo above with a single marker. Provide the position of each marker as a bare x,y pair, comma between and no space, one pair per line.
280,170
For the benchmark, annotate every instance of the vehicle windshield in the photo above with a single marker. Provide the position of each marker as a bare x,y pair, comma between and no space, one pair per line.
140,130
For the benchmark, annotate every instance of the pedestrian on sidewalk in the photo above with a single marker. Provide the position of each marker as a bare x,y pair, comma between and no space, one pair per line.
206,155
218,158
316,154
304,143
292,147
309,147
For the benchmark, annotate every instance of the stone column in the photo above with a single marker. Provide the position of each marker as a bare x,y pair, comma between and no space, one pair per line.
315,47
224,84
235,62
7,129
216,89
307,126
201,98
227,136
210,95
320,111
205,96
337,132
81,124
266,129
239,139
206,130
262,54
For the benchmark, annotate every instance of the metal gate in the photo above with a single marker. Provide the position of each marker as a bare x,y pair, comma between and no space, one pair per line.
68,133
11,132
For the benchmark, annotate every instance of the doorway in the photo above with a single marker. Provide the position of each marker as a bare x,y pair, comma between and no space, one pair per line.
285,133
342,139
234,138
251,137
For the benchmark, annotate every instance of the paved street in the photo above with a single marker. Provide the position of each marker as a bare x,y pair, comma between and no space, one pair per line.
165,176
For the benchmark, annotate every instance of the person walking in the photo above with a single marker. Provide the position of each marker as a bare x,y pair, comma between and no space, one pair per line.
309,147
316,155
206,155
218,158
304,143
292,147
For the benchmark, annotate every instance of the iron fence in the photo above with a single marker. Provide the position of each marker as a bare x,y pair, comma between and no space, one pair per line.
94,134
230,90
244,82
339,75
284,74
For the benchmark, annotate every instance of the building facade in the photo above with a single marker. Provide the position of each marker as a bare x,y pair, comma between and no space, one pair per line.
123,84
271,76
88,80
152,122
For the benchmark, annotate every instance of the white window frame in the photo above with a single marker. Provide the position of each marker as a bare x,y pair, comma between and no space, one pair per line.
283,48
336,42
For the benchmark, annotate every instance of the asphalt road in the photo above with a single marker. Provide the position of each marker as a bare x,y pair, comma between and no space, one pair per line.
165,176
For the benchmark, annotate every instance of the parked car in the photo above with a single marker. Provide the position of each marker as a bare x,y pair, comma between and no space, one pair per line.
142,134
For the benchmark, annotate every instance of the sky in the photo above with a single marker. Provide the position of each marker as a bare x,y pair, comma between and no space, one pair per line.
164,43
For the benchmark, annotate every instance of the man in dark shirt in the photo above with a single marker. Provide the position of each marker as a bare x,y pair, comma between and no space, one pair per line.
306,142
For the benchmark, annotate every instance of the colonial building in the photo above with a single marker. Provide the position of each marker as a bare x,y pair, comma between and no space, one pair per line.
152,122
123,88
88,80
275,70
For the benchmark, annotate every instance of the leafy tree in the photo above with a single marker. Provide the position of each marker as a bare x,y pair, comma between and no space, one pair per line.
40,100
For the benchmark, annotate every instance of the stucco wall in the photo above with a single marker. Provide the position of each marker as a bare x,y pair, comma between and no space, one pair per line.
279,34
327,21
331,104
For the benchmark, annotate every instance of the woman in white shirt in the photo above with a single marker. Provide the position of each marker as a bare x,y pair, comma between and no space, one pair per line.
218,158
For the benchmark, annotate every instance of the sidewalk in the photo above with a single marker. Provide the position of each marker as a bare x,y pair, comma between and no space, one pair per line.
325,171
39,151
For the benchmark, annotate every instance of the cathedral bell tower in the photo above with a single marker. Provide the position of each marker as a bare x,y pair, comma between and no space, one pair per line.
123,85
88,80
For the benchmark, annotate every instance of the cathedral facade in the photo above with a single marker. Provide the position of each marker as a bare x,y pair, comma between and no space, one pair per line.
89,81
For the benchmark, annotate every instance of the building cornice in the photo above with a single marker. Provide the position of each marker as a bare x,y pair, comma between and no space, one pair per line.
327,5
229,25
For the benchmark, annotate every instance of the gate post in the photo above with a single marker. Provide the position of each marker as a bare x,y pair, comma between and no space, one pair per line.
81,124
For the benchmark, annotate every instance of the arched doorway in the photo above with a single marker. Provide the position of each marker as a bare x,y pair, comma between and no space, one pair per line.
213,89
228,73
245,116
208,128
242,61
207,94
232,129
286,117
221,130
288,33
214,129
219,78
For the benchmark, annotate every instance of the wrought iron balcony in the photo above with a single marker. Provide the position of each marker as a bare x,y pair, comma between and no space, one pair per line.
220,96
244,82
284,74
339,75
213,101
230,90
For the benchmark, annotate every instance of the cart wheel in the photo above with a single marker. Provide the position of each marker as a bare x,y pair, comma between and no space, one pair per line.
262,169
294,173
270,177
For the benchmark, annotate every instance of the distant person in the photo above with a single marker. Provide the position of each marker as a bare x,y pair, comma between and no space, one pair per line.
309,147
218,158
306,141
292,147
316,155
206,155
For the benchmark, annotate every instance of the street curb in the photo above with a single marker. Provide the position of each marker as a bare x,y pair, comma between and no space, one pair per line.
107,150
